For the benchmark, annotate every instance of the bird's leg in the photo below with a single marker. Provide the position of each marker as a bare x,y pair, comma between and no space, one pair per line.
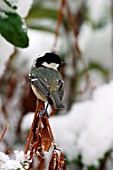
45,111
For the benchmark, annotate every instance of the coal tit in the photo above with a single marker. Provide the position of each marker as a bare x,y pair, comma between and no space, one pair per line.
46,79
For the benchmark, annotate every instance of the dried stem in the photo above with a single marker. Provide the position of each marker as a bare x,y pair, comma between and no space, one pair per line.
79,53
1,137
59,21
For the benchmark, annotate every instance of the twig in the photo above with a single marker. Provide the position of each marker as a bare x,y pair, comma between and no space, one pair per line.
59,21
4,132
79,53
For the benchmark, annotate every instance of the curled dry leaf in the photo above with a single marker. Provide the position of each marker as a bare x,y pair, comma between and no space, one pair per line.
53,162
58,161
46,139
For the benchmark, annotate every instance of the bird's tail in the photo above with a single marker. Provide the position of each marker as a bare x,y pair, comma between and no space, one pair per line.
56,100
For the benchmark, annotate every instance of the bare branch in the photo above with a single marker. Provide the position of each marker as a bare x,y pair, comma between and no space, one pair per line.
1,137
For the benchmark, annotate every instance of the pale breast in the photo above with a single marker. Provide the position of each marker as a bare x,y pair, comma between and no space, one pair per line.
38,94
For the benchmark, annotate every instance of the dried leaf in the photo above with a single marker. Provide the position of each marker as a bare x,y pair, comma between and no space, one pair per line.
41,164
62,159
46,139
52,163
57,163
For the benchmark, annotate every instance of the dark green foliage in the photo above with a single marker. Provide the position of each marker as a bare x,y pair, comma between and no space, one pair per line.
13,29
76,161
92,167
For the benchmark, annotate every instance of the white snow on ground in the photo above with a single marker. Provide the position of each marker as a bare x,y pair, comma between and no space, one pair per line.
11,165
86,129
6,163
3,158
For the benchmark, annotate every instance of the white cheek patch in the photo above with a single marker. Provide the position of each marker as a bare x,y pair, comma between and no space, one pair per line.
51,65
34,63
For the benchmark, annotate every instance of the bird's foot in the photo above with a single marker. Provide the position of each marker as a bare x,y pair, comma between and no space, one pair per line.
42,112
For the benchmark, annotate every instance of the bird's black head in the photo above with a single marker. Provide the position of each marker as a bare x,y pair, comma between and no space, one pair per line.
49,60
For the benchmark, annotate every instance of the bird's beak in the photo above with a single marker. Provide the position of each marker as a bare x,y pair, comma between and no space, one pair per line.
63,63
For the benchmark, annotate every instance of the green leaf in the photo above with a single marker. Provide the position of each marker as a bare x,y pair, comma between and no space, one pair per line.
11,4
13,29
41,28
41,12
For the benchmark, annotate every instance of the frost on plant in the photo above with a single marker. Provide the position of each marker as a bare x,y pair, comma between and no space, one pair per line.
20,161
12,3
3,15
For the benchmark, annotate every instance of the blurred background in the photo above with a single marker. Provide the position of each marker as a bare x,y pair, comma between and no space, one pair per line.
81,33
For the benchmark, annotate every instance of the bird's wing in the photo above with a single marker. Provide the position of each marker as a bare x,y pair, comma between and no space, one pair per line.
42,86
60,88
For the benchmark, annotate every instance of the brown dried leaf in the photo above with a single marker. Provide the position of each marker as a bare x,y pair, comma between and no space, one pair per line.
46,141
49,128
64,168
52,163
57,163
41,165
62,159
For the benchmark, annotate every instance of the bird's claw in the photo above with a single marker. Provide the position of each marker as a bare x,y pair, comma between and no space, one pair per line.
42,112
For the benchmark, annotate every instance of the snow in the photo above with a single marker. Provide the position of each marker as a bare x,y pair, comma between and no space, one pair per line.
13,3
98,9
3,158
85,34
3,15
12,165
4,54
20,156
23,7
27,121
6,163
86,129
96,44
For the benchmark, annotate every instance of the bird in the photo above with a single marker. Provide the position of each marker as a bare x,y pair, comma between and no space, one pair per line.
46,80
